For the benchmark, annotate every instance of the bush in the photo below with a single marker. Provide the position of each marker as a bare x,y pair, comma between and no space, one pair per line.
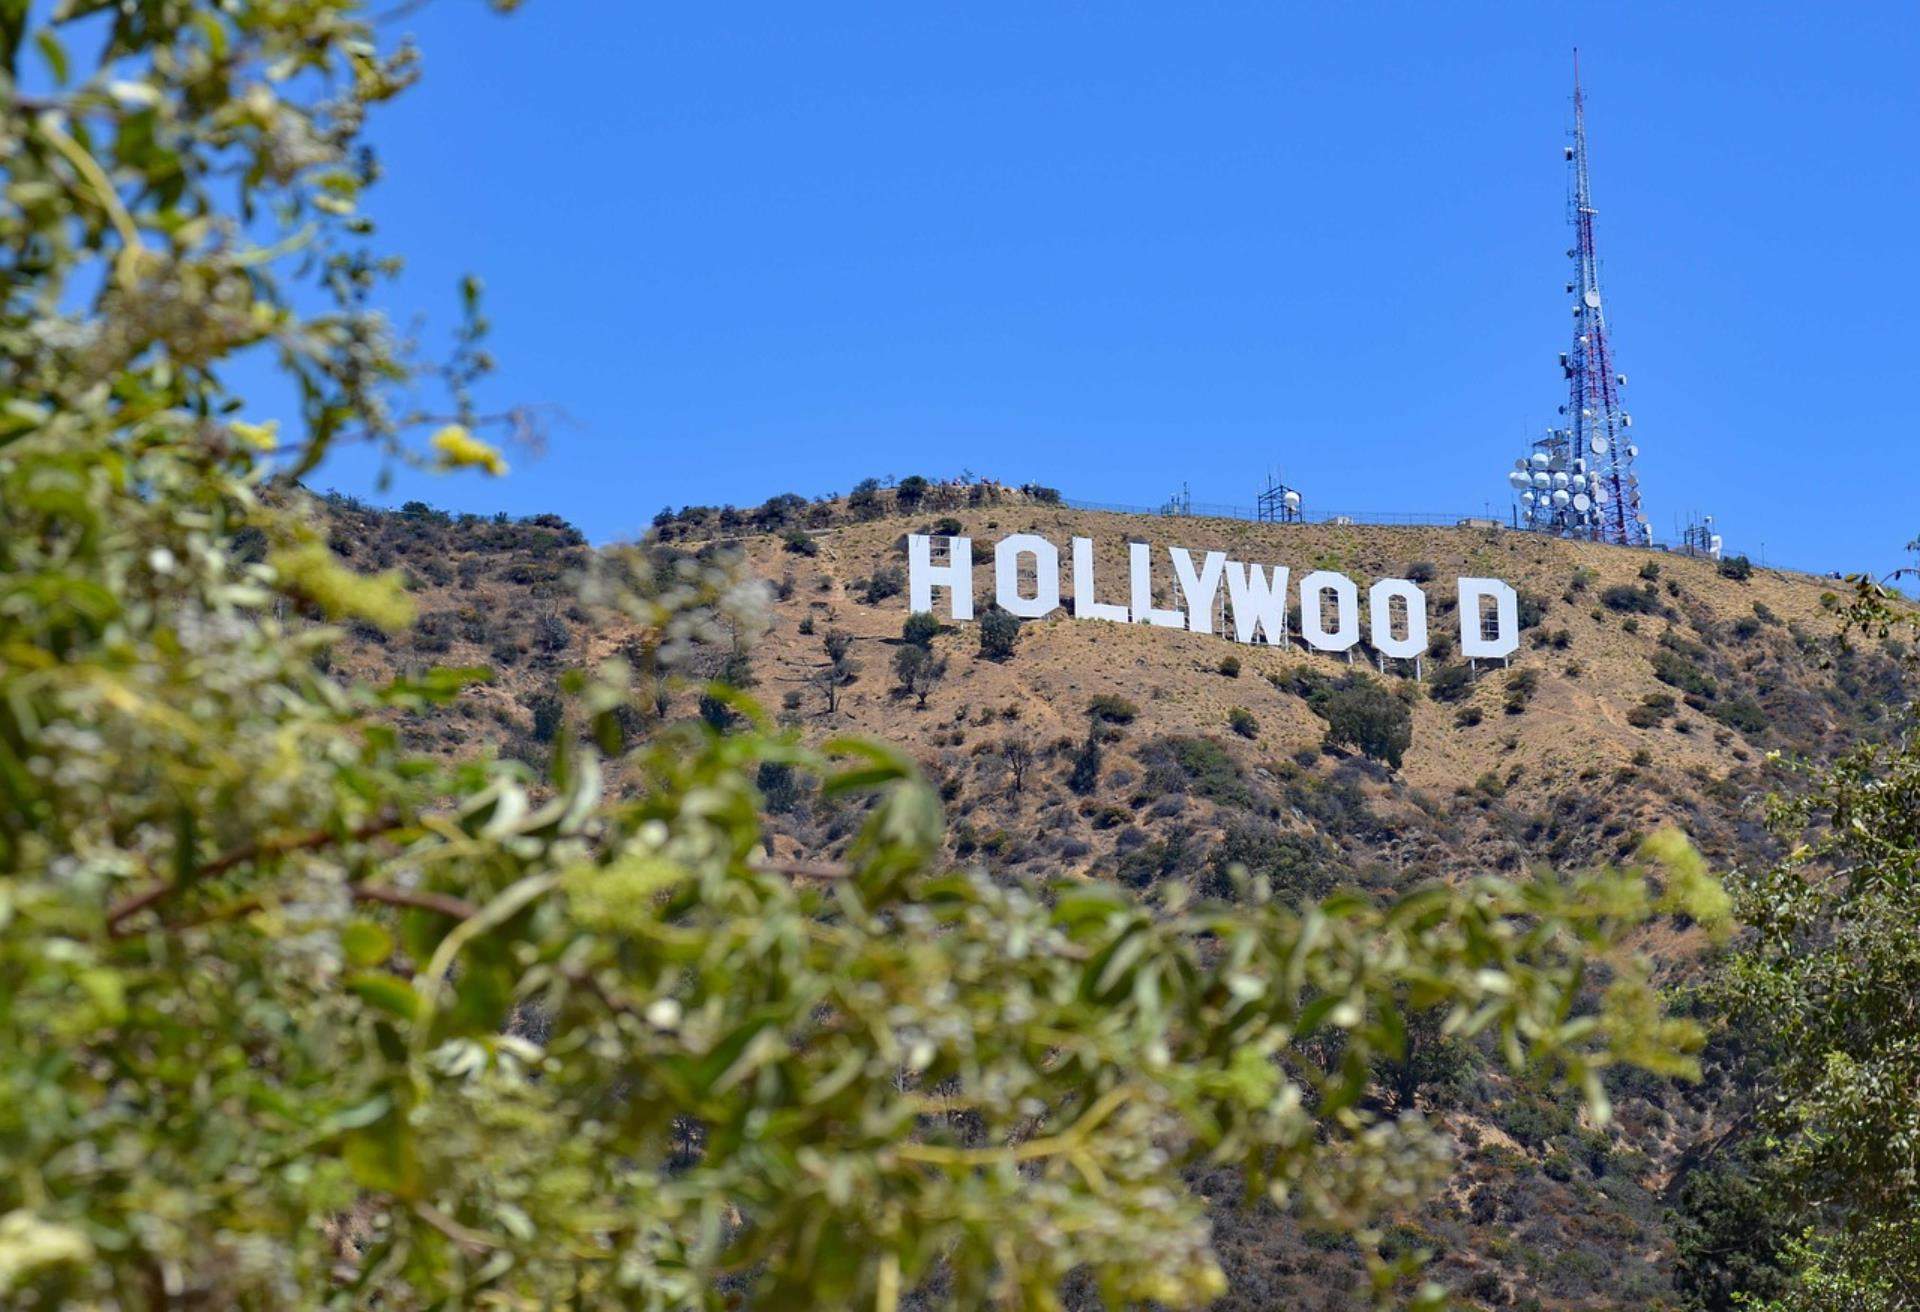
1738,568
920,629
800,542
888,582
1742,713
1631,600
1650,571
1367,716
999,633
1241,721
1450,683
1521,685
547,711
1112,708
1421,571
1531,609
1085,775
1199,764
912,490
1675,670
1230,666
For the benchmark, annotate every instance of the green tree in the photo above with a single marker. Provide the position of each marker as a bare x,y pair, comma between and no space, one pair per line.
999,632
292,1018
920,629
1824,984
1366,715
919,671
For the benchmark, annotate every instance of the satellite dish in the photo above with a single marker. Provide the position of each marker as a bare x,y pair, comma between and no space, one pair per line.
1520,478
1541,460
1633,452
1520,463
1599,445
1561,497
1599,495
1560,480
1291,498
1582,502
1592,298
1543,480
1526,498
1579,482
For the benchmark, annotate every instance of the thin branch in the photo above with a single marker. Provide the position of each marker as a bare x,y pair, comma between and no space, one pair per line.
246,853
465,1236
445,904
804,869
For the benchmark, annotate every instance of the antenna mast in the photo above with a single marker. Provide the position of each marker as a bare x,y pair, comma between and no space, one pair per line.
1599,423
1579,479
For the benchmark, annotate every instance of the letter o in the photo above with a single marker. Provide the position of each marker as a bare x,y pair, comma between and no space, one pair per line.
1046,574
1380,618
1347,603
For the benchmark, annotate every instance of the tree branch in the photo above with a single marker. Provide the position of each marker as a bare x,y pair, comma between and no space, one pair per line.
127,908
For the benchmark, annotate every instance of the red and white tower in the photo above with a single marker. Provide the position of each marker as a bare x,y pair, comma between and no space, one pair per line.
1579,479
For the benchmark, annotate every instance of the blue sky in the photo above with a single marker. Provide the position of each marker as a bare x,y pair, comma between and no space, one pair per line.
758,248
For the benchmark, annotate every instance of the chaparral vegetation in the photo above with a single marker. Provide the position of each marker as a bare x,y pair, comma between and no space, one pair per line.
322,987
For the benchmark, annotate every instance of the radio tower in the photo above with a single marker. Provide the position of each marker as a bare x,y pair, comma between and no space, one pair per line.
1599,424
1579,480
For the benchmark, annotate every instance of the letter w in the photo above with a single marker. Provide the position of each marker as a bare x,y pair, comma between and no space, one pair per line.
1258,603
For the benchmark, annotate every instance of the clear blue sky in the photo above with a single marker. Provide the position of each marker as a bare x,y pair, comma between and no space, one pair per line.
759,248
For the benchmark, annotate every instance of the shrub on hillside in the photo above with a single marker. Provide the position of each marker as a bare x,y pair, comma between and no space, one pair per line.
920,628
1674,669
1630,600
1293,864
1112,708
1738,568
1241,721
889,581
1450,683
1230,666
999,633
1365,715
800,542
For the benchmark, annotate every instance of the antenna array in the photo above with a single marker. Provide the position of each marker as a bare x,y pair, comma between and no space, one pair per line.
1578,480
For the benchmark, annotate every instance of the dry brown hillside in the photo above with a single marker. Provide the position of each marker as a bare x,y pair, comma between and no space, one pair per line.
1649,690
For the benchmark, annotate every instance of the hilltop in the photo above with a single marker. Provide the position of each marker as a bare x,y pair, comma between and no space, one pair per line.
1650,689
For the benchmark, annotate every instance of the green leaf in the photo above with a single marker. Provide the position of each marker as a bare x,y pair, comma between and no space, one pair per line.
386,992
365,943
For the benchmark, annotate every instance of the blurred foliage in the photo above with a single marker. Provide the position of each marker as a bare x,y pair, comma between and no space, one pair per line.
290,1018
1827,983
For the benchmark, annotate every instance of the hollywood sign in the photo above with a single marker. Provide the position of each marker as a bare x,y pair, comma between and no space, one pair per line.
1257,597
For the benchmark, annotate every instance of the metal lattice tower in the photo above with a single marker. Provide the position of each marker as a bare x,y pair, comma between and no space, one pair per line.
1579,479
1597,421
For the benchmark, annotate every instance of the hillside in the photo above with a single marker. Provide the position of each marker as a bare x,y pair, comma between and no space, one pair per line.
1649,690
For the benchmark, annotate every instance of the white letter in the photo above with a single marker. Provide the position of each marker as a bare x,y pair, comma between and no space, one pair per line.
956,575
1199,590
1141,558
1347,604
1380,618
1084,606
1257,604
1506,609
1046,575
